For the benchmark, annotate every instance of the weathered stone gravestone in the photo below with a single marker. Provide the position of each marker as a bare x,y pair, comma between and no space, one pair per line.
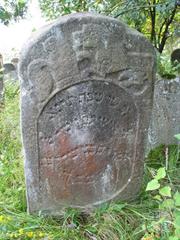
8,67
10,72
165,122
86,97
175,56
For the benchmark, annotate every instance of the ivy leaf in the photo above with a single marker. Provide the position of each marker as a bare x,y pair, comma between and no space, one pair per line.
157,197
161,173
177,136
165,191
153,185
167,204
177,199
177,221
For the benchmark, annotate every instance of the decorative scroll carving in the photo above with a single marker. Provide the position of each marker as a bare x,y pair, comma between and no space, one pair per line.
40,78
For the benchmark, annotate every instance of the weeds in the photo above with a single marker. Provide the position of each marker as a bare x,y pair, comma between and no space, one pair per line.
165,68
155,215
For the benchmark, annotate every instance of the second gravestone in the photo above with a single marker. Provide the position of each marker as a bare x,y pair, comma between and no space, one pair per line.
86,98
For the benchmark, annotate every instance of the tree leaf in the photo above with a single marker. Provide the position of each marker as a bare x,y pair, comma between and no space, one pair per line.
176,216
177,221
161,173
158,197
153,185
177,199
167,204
165,191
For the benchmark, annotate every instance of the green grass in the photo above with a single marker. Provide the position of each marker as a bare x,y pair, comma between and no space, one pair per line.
143,219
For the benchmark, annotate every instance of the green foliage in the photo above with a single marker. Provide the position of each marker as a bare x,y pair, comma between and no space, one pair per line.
155,215
11,166
161,173
157,20
177,199
157,157
165,191
54,9
165,68
12,10
168,200
153,185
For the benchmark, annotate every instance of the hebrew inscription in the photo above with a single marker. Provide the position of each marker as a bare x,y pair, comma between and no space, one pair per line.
86,142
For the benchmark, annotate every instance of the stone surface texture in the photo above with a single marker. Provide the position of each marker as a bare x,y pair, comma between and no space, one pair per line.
86,101
165,122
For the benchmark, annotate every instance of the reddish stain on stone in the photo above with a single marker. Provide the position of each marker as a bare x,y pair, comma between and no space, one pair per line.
66,165
62,143
47,148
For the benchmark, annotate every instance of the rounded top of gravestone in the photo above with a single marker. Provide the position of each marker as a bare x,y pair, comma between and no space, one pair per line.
68,44
8,67
77,18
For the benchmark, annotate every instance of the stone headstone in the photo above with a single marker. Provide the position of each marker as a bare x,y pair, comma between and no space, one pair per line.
10,72
175,56
165,122
8,67
86,97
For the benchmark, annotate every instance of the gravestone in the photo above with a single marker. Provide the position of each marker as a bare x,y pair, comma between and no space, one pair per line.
10,72
165,122
8,67
86,98
175,56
